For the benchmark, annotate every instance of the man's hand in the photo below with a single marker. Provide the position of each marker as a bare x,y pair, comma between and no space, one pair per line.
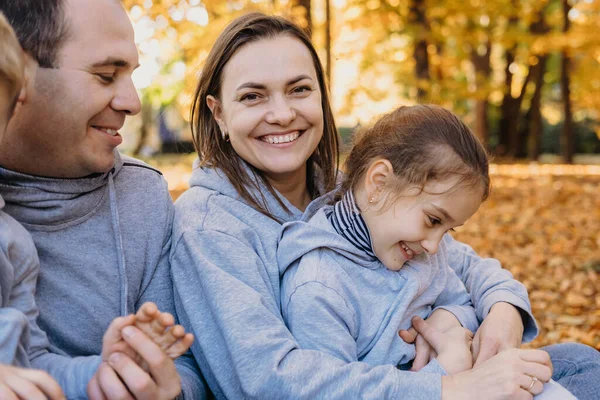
122,378
441,320
20,383
502,329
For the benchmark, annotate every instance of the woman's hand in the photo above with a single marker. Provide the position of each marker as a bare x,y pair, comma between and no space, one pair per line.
20,383
441,320
502,329
511,375
453,347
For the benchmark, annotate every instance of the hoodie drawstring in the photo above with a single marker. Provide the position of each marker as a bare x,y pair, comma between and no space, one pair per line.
114,211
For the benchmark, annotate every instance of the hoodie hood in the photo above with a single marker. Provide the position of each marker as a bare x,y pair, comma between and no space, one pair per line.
301,237
41,203
214,179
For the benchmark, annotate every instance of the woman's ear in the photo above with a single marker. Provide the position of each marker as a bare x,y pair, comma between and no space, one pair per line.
215,108
377,176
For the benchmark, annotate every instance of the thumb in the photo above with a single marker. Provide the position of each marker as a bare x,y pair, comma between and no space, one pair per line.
487,350
409,335
434,337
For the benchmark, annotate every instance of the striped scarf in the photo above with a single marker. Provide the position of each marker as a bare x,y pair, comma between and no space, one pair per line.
348,222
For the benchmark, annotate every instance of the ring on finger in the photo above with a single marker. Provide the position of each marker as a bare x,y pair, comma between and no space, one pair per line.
534,379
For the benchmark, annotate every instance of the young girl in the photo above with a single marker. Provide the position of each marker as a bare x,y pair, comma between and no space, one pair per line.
357,271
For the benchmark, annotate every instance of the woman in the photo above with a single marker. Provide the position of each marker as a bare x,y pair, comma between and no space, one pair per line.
267,147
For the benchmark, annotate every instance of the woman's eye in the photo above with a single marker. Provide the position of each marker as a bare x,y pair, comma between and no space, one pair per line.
249,97
302,89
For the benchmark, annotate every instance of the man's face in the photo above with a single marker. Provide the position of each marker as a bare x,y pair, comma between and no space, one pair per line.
73,112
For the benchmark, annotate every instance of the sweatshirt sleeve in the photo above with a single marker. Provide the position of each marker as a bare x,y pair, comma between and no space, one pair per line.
455,299
319,319
488,283
160,291
72,374
242,344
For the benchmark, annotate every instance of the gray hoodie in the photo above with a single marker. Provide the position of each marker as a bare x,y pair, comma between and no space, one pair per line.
338,299
103,243
19,268
227,289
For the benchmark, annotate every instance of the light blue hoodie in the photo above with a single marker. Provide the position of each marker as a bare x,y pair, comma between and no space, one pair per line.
338,299
19,268
227,290
103,243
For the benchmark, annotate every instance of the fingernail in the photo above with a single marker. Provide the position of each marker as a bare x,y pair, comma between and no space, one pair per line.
114,359
128,332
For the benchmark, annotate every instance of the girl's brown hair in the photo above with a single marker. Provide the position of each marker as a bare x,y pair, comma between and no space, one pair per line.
213,151
423,143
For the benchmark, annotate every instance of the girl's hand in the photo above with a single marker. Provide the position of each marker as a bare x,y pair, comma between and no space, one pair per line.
20,383
442,321
502,329
507,376
453,347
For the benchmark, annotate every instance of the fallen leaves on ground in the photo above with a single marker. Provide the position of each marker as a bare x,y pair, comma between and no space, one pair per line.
543,224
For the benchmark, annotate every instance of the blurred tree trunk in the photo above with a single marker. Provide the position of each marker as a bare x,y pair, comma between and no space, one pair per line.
146,114
534,141
328,68
306,5
533,138
567,142
419,19
481,62
509,113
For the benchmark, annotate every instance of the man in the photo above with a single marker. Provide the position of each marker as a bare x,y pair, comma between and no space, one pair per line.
101,221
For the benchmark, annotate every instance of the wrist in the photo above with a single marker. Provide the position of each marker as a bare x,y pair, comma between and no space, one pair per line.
509,313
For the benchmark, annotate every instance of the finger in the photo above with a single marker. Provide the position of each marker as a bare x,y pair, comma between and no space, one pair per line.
160,324
487,350
536,356
408,335
139,383
147,312
44,382
161,366
533,386
431,335
422,357
169,338
24,389
7,393
181,346
111,385
93,390
113,336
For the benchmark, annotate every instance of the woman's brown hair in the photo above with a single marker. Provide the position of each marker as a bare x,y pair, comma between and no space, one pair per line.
423,143
213,151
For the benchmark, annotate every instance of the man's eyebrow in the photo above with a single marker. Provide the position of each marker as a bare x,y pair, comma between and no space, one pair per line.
444,213
112,62
260,86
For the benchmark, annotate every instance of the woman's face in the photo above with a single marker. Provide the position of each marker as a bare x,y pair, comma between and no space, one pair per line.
270,106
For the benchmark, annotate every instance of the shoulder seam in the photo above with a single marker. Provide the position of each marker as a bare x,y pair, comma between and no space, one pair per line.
129,164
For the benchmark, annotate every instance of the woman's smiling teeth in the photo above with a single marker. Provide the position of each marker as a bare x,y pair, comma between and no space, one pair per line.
274,139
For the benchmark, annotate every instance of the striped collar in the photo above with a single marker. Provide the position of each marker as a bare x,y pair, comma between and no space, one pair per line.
348,222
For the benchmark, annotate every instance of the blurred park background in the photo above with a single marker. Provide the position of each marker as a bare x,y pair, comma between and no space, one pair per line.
524,74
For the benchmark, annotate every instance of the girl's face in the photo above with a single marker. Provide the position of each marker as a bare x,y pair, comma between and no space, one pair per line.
271,106
415,223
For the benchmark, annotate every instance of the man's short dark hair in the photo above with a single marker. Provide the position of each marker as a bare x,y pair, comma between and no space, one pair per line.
40,25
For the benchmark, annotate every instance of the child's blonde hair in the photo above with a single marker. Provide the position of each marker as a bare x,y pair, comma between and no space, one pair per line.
423,143
11,61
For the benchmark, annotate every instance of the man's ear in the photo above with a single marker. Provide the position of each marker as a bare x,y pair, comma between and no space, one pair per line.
217,111
29,73
378,174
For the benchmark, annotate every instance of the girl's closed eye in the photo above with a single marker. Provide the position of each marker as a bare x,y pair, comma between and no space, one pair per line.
106,78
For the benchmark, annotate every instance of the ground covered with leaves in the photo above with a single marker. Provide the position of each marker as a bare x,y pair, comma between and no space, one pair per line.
543,224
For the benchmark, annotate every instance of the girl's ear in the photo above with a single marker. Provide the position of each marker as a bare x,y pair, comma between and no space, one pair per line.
215,108
378,174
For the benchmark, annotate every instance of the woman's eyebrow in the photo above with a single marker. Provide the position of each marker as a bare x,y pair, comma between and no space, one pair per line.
260,86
